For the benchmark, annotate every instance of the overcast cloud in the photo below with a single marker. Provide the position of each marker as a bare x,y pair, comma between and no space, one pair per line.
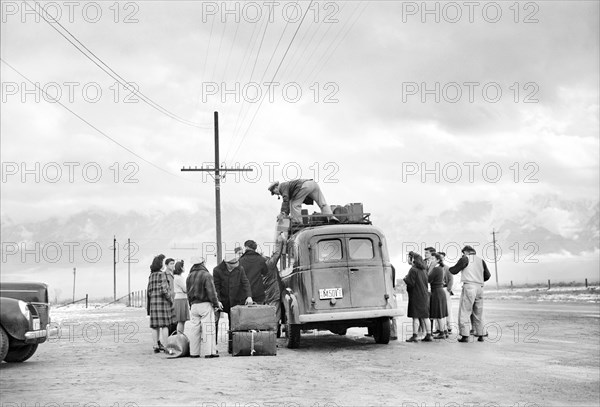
524,161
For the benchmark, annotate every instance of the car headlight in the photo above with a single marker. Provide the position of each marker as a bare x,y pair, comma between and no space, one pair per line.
24,309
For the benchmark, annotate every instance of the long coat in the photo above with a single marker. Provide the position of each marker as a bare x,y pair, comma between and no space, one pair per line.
438,307
256,269
232,287
418,296
160,304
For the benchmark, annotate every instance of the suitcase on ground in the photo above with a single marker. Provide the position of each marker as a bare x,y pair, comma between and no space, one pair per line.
258,317
254,343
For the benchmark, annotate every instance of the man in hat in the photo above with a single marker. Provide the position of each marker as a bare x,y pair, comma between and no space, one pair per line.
299,191
474,273
202,296
255,268
232,286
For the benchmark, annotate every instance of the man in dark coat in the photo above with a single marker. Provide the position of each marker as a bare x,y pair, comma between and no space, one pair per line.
256,269
232,287
299,191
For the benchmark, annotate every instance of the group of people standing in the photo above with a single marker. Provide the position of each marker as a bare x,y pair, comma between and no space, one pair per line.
435,305
243,277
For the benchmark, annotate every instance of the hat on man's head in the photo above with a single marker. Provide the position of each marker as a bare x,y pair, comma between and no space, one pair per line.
197,260
251,244
272,187
231,258
468,249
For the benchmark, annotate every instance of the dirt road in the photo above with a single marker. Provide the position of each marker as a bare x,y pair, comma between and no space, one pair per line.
535,355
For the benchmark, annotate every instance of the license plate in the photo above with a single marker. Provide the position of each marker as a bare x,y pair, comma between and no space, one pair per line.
36,324
328,293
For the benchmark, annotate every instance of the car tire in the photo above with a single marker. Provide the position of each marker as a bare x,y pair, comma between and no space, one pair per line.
292,333
3,344
382,331
21,354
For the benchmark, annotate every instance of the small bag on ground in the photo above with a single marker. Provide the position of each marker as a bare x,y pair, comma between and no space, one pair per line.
178,345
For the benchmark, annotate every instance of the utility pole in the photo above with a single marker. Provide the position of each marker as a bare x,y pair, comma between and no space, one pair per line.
495,260
217,171
129,272
114,268
74,270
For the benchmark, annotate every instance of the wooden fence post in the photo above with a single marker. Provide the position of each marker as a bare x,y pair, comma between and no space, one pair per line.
586,283
86,300
548,284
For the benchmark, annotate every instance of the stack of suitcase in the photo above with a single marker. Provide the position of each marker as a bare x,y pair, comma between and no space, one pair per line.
253,330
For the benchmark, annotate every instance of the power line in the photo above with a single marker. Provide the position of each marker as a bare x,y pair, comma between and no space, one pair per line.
237,129
238,77
327,54
108,70
274,75
88,123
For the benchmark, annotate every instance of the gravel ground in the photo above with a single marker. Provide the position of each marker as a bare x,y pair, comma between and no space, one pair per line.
537,354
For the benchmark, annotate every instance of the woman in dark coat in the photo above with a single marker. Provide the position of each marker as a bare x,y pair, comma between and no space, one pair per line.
438,308
418,296
159,304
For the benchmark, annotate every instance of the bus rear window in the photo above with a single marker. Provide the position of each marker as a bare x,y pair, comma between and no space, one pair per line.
361,249
329,250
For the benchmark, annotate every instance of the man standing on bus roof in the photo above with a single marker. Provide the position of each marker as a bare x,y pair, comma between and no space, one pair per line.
299,191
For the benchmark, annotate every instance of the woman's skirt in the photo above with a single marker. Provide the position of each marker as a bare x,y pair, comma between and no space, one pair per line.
182,310
438,307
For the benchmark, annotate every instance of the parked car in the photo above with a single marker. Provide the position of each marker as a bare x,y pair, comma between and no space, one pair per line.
24,320
337,277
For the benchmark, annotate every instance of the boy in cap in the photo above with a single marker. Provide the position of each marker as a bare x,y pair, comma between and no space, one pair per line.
474,274
299,191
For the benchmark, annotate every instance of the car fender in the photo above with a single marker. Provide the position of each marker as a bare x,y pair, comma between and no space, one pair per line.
12,319
290,303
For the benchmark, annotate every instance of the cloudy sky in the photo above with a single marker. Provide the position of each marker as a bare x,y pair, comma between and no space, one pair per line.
446,120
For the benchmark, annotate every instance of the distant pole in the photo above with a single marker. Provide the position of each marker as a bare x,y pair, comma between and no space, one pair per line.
74,271
114,268
495,260
129,272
